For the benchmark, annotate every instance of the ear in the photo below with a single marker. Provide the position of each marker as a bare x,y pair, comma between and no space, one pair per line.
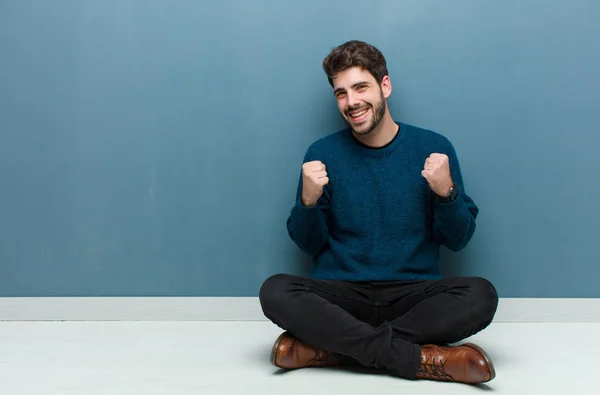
386,86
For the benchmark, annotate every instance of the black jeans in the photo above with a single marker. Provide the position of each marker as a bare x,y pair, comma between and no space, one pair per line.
379,324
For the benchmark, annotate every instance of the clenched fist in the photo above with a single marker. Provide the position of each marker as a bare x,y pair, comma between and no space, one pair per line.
437,173
314,178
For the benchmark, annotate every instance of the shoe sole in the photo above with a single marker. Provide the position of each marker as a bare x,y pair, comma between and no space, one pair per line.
275,346
487,358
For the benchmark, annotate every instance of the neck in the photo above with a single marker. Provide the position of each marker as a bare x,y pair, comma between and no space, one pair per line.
382,134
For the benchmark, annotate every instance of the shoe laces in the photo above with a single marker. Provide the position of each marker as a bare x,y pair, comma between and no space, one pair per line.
322,357
433,368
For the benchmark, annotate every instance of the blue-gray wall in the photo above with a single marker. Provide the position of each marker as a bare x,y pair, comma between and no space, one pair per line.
153,147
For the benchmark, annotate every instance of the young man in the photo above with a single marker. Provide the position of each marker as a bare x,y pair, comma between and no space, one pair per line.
375,202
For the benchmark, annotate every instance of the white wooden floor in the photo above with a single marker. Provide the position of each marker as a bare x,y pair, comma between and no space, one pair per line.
202,358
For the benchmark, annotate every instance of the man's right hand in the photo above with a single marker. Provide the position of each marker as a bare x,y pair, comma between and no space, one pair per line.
314,178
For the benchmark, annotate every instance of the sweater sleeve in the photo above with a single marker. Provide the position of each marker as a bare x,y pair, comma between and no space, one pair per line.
454,222
307,226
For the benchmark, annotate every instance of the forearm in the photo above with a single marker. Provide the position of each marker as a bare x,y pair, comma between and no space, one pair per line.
307,226
454,223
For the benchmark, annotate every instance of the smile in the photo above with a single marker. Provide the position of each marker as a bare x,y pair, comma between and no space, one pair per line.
359,115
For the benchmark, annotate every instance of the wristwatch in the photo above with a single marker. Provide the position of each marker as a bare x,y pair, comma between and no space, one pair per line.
450,197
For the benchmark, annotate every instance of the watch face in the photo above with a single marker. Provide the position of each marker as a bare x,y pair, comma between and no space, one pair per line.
453,193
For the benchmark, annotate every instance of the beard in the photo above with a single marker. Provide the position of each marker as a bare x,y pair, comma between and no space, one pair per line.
378,114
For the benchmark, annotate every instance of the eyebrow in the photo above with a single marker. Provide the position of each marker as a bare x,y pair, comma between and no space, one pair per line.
335,92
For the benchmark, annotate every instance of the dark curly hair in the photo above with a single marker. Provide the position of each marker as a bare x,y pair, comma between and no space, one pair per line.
355,54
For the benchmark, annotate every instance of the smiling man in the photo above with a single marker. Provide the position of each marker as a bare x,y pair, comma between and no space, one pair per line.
375,203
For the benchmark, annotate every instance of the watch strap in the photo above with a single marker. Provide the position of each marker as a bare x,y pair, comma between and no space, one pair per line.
452,195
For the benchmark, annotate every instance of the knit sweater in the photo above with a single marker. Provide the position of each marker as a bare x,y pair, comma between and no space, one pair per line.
378,219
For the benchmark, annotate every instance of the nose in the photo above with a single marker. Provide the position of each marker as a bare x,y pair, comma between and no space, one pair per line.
353,100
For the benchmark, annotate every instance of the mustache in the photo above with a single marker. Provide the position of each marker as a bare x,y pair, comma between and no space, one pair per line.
356,108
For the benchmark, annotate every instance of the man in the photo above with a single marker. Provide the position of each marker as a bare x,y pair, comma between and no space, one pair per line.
375,202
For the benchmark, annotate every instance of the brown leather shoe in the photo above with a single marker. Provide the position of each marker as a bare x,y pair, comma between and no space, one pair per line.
290,353
466,363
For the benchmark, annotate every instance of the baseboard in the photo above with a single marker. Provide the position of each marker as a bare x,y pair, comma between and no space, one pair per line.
510,310
131,309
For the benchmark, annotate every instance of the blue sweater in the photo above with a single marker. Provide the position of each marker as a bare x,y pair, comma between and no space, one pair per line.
378,219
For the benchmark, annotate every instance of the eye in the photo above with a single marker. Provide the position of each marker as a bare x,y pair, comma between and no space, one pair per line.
340,95
361,88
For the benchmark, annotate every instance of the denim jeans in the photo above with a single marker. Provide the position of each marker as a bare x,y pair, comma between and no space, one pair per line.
379,324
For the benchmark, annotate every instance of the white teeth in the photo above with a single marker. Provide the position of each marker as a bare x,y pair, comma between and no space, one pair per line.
360,114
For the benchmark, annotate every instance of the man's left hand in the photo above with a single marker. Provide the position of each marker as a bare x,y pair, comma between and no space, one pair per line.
437,173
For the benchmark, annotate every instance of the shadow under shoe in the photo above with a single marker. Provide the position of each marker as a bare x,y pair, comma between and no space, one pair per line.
290,353
466,363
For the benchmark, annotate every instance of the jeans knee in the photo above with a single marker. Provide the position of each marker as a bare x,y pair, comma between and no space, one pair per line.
272,291
486,295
